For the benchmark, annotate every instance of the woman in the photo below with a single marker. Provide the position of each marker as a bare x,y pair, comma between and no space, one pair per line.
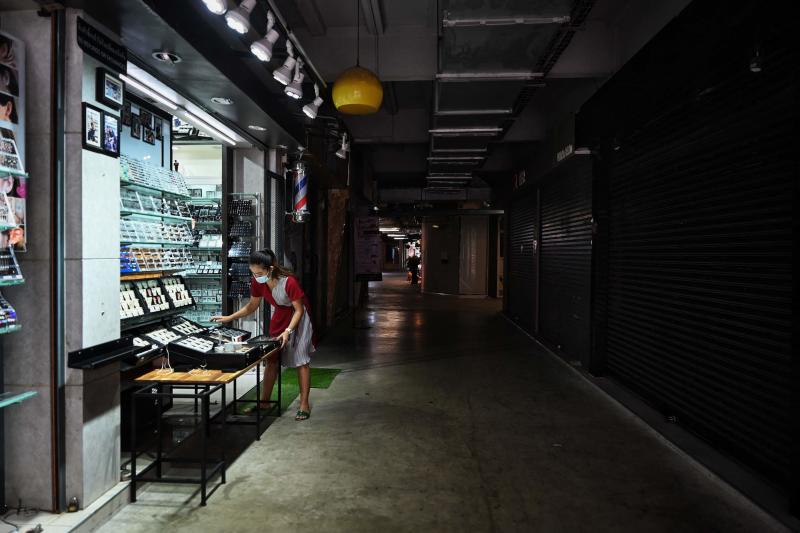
290,322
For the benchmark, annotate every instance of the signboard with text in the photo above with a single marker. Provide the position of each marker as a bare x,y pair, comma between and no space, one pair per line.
368,250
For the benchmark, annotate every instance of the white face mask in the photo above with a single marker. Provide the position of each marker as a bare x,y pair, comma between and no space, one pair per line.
263,279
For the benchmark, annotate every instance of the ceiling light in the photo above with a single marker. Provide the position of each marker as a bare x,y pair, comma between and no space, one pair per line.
166,56
357,91
295,89
149,92
312,109
257,128
283,74
400,238
262,48
389,230
209,128
341,153
221,100
239,19
465,130
218,7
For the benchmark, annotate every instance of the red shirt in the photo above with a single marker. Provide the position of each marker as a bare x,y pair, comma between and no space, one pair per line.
283,314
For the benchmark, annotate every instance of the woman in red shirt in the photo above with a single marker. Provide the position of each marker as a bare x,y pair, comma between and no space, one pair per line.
290,322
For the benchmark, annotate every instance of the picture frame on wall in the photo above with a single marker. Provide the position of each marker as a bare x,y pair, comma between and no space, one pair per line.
110,89
111,129
126,114
136,127
158,128
148,135
92,128
145,118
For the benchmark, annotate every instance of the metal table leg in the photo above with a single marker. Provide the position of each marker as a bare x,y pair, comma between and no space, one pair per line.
133,447
204,440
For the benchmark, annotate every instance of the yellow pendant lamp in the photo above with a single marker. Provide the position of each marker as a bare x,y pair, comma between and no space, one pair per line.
357,91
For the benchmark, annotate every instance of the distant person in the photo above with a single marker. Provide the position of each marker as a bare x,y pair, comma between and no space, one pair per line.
412,264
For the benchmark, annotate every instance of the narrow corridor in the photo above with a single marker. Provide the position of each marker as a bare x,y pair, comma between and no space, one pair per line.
447,418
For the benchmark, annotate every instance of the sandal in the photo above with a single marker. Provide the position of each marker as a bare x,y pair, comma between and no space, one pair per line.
302,415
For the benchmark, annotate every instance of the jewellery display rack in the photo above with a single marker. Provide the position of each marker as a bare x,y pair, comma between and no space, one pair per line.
8,317
141,174
150,205
10,273
210,352
148,300
243,236
139,259
149,340
140,232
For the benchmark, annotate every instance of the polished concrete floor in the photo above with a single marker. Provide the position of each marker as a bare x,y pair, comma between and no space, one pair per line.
446,418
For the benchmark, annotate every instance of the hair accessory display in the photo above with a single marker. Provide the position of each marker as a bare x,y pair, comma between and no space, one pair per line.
206,213
240,249
239,289
242,229
8,316
143,259
135,231
241,207
9,267
240,270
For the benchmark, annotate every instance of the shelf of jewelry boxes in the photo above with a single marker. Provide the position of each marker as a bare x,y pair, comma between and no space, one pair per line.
10,274
153,206
144,177
145,260
144,232
145,301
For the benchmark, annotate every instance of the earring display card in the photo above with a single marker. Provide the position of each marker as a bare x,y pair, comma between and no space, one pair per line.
183,326
178,294
129,304
143,259
240,249
242,208
162,336
242,229
230,334
197,344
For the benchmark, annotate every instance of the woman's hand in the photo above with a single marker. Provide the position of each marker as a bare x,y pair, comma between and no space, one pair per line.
222,319
284,338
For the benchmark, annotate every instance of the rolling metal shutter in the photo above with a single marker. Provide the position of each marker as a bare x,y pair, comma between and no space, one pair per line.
700,265
566,257
521,285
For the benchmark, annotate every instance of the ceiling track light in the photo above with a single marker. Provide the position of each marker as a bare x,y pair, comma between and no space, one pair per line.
284,73
141,87
312,109
239,19
262,48
218,7
295,89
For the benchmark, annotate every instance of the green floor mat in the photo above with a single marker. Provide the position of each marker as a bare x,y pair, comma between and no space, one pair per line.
321,378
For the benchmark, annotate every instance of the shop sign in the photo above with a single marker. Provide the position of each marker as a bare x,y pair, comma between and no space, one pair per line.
95,43
368,250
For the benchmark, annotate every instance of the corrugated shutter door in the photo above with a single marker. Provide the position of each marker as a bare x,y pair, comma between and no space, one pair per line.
700,266
521,283
566,257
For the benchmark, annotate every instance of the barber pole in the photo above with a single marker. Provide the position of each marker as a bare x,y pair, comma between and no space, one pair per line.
301,212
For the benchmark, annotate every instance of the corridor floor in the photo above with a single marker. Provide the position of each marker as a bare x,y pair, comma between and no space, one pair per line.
447,418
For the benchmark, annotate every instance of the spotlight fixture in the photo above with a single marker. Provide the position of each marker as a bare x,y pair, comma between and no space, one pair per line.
221,100
165,56
312,109
283,74
341,153
239,19
218,7
262,48
257,128
295,89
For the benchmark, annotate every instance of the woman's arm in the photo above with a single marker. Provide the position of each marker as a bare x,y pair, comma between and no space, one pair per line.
296,316
252,306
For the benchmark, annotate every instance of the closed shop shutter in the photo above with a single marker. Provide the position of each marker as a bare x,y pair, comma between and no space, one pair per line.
522,269
700,265
566,257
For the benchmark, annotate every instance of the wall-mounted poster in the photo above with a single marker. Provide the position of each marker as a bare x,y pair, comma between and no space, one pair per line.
158,127
368,249
126,114
13,182
14,189
111,134
136,127
109,89
145,118
148,136
92,128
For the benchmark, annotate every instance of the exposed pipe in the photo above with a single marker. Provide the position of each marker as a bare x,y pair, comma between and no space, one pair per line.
57,285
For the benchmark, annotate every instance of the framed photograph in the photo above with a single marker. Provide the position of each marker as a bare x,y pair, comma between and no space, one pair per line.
145,118
148,135
158,127
8,109
110,89
126,114
9,80
92,128
136,127
111,134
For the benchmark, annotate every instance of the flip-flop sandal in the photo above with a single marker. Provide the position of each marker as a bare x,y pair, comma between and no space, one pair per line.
302,415
251,409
